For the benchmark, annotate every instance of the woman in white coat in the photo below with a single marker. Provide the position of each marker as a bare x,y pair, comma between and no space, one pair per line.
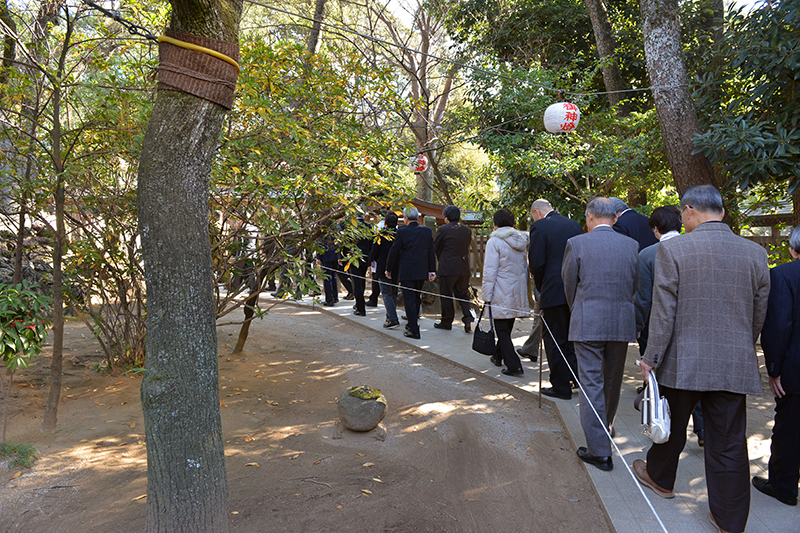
505,286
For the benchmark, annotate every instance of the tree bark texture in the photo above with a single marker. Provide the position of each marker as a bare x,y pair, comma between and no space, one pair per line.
677,115
607,49
186,478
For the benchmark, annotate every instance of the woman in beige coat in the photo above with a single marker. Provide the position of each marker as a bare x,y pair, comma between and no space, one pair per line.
505,287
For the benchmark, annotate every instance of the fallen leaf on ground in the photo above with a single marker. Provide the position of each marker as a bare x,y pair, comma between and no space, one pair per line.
361,454
133,425
365,491
15,476
368,464
253,464
377,479
139,497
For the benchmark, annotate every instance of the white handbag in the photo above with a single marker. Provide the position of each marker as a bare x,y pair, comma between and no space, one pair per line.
655,412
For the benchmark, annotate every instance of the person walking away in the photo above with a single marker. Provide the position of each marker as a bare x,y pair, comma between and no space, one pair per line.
780,339
452,252
505,286
709,301
379,255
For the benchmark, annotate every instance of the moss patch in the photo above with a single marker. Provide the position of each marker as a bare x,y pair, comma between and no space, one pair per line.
365,393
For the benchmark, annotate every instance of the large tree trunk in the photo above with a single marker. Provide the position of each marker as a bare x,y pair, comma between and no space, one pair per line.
186,479
606,49
677,115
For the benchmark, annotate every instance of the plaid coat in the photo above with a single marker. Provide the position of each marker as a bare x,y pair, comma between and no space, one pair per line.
709,301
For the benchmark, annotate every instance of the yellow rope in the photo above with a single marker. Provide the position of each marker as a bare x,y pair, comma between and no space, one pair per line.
209,51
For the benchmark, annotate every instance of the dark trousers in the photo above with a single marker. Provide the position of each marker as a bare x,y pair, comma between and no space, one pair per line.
784,461
412,300
457,286
727,467
359,284
505,347
329,281
602,366
557,319
345,279
375,290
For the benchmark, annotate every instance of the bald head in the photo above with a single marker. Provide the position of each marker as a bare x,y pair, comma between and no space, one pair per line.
540,208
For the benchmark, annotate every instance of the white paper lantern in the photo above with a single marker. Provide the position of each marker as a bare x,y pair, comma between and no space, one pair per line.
419,163
561,117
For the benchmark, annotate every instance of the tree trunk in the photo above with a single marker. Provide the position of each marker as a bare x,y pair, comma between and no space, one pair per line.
796,209
677,115
316,27
186,478
606,49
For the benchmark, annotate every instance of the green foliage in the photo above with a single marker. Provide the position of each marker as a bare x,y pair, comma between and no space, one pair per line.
748,101
365,392
23,324
21,455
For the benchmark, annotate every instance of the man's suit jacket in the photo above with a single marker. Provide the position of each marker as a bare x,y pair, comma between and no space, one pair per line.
637,227
599,271
411,256
452,249
780,337
709,300
546,251
644,291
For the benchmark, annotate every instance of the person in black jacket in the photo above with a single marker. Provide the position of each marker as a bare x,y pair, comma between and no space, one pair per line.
411,261
780,339
549,234
452,251
358,272
378,256
634,225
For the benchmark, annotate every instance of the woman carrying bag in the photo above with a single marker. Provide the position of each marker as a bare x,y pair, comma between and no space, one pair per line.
505,287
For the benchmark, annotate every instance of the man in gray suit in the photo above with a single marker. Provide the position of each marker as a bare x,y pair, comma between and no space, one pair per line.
710,296
599,272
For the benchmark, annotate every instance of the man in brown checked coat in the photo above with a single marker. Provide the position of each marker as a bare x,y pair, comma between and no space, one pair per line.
709,301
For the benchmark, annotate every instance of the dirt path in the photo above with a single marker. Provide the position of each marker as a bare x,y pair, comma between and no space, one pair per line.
456,452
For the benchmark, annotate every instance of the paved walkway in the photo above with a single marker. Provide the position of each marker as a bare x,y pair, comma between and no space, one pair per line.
626,506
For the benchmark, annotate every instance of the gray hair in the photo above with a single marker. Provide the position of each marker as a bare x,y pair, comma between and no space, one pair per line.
542,205
601,207
794,239
704,198
619,205
411,213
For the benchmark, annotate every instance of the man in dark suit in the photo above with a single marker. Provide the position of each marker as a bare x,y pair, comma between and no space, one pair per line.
549,234
710,296
599,272
633,224
780,339
358,272
379,255
452,251
411,261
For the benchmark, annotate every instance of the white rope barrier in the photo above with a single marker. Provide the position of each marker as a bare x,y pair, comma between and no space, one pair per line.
571,370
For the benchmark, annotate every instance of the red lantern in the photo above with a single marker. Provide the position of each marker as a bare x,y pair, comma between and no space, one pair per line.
561,117
419,163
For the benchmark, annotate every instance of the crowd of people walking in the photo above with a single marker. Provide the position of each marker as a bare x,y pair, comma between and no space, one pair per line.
696,303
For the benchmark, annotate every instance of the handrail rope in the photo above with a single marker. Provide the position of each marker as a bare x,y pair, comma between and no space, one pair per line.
564,357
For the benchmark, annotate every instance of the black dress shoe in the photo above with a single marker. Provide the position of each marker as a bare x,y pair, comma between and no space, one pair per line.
369,303
548,391
391,323
442,325
329,304
763,486
533,358
495,361
603,463
410,335
360,313
468,326
514,373
404,317
701,438
350,296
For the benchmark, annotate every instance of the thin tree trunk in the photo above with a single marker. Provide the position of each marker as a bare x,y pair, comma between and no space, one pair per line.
796,209
677,115
607,49
316,27
186,477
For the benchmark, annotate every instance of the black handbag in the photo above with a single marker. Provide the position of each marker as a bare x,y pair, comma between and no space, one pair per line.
483,341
